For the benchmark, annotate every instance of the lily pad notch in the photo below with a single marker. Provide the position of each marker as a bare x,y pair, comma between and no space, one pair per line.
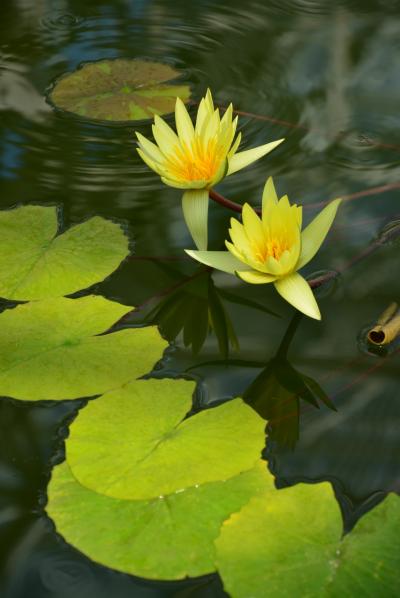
119,90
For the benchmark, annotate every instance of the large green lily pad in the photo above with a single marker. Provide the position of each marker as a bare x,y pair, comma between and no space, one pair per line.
168,537
159,521
145,450
51,349
119,90
37,263
288,543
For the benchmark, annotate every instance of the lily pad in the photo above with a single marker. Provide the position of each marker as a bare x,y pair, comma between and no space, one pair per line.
281,544
51,349
119,90
158,520
168,537
37,263
145,450
288,543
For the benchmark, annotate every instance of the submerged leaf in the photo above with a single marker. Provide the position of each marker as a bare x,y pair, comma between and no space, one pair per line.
36,262
52,350
119,90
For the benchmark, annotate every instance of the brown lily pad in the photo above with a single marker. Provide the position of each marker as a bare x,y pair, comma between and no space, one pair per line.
119,90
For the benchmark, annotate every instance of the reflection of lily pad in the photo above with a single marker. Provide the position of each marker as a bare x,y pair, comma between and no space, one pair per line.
119,90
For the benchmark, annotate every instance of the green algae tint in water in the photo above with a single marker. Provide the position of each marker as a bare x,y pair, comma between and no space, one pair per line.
325,78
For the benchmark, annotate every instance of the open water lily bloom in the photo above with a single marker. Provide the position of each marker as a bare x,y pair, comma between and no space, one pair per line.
273,248
197,157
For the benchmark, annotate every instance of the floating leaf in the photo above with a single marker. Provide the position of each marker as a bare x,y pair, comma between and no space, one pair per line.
281,544
287,543
119,90
168,537
50,349
145,449
368,559
36,263
144,490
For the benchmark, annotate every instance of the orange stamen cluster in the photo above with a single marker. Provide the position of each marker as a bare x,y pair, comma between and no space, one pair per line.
271,248
197,162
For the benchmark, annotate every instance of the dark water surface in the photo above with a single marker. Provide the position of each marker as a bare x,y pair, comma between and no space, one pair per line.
325,76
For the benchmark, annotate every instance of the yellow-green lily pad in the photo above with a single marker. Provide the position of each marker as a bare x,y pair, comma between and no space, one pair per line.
289,543
168,537
121,89
56,349
144,490
146,448
37,263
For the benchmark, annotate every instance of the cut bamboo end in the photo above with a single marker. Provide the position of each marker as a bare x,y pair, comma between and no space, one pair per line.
387,328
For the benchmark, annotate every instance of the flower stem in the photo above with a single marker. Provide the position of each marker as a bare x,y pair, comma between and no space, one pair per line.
227,203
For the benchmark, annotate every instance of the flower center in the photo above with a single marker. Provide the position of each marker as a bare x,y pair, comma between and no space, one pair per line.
195,162
271,248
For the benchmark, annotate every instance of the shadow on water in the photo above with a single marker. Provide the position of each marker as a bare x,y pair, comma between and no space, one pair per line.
324,76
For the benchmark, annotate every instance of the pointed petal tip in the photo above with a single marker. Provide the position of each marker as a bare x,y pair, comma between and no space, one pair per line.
296,291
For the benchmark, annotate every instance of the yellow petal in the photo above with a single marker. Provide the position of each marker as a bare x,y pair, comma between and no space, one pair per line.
184,124
150,148
243,159
269,198
254,277
153,165
220,174
299,215
226,120
314,234
202,115
165,137
296,291
209,102
273,266
171,182
238,236
220,260
210,127
195,212
236,253
252,224
235,145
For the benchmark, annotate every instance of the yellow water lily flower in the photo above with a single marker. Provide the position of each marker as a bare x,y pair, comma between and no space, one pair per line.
197,157
273,248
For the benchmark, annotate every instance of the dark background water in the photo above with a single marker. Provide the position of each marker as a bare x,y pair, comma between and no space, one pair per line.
322,74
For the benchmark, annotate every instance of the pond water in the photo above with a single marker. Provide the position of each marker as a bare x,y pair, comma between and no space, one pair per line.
324,76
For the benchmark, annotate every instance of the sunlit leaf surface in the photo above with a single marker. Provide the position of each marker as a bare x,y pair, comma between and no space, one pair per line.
119,90
132,443
36,262
56,349
288,543
189,477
